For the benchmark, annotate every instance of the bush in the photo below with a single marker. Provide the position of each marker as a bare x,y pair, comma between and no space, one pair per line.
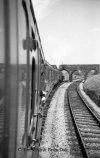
92,88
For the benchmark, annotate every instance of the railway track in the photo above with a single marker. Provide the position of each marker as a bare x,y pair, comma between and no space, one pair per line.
75,150
72,144
87,126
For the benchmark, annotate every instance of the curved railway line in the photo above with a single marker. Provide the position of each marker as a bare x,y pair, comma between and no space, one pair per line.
82,125
86,124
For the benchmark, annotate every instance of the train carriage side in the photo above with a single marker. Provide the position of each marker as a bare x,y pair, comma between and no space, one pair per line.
24,73
19,71
52,76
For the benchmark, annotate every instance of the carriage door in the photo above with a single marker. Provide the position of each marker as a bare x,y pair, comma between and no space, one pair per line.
24,81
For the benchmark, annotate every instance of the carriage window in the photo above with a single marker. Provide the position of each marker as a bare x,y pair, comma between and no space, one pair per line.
1,33
33,35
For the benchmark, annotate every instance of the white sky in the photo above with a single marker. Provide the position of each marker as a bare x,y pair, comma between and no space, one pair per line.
69,30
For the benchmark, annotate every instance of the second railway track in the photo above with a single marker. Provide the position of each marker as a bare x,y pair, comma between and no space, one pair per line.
85,123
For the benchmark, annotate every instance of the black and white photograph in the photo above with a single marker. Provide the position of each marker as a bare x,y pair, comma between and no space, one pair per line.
49,78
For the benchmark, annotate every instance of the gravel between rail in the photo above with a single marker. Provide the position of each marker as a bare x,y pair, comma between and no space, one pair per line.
59,138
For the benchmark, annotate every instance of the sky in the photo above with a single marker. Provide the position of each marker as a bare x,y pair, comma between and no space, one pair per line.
69,30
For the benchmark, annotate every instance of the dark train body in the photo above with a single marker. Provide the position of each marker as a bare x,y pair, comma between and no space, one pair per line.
24,75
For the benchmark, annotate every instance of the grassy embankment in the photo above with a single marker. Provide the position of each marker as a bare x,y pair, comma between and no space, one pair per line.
92,88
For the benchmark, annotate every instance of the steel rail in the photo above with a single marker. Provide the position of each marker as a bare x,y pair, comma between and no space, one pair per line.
81,142
75,104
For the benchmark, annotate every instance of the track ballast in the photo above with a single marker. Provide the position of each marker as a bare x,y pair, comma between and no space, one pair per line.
85,123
